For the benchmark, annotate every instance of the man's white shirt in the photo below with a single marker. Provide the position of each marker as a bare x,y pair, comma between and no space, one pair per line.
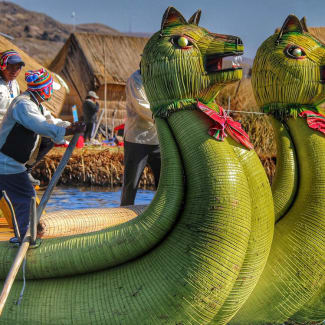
8,91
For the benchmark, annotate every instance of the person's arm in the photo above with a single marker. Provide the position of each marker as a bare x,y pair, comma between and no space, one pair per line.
52,120
28,114
94,107
90,108
97,107
4,101
137,98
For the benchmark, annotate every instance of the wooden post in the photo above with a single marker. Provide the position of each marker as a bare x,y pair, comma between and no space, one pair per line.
98,123
105,90
113,123
26,241
237,89
56,176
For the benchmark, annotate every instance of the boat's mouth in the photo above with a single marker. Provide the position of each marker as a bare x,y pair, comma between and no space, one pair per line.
322,74
216,63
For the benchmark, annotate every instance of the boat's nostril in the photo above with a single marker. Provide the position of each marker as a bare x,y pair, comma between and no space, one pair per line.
239,45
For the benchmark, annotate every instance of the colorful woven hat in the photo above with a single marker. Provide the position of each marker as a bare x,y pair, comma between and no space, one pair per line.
10,57
42,82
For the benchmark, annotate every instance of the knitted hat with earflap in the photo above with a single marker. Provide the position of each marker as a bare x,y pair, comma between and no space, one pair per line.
10,57
41,82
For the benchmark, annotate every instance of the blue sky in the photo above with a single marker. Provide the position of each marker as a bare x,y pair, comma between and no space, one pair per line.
252,20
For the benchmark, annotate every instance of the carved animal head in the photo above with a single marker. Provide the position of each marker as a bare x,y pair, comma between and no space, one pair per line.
289,67
184,61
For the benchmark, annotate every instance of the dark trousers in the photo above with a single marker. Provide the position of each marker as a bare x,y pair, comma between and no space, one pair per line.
136,156
20,192
89,130
45,146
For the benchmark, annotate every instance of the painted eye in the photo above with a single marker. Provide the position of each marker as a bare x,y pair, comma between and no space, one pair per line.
295,52
182,41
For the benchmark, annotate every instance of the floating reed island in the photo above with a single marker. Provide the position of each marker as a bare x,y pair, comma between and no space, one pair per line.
89,166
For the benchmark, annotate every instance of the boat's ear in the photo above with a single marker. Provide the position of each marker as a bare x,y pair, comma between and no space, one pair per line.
195,19
172,17
290,25
304,24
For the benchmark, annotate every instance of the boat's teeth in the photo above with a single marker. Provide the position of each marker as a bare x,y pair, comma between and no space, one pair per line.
236,61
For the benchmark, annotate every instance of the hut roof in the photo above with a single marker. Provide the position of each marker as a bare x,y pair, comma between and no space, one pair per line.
318,32
120,55
57,101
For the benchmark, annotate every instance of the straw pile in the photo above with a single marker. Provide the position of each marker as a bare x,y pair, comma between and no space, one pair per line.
88,167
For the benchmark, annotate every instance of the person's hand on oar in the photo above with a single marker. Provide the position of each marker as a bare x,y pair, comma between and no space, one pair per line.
76,127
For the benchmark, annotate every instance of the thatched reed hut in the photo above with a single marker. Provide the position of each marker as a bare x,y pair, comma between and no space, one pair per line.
90,61
318,32
56,103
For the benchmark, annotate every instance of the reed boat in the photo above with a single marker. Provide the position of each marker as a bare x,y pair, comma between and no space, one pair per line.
203,251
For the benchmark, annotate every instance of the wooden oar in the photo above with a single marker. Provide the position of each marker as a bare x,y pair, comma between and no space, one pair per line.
26,241
56,175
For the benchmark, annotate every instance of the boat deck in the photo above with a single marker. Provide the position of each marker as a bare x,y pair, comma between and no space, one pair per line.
5,232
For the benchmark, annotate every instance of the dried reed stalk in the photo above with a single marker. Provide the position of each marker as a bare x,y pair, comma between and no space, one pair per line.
88,167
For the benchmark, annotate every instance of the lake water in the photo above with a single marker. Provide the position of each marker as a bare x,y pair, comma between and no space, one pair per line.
94,197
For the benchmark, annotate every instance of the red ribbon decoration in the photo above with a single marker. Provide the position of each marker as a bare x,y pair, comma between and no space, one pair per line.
315,121
225,123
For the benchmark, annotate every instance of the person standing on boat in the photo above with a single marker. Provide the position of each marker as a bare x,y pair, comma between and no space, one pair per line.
141,145
20,131
10,67
90,108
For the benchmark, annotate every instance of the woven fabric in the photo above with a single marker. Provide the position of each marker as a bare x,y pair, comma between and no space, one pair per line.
40,81
315,120
5,56
225,123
